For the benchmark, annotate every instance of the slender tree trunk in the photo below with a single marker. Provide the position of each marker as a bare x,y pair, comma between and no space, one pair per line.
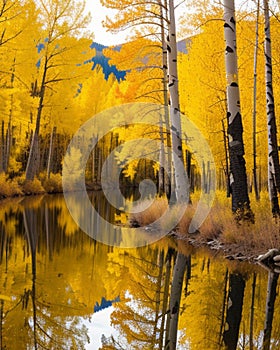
222,327
175,299
188,275
33,162
269,312
1,323
165,298
155,339
234,311
8,148
181,190
2,150
168,156
227,172
30,225
99,165
238,177
9,137
273,157
48,232
252,314
255,180
32,166
161,186
161,174
50,157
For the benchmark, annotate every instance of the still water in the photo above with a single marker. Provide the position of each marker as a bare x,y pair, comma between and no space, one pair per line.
60,289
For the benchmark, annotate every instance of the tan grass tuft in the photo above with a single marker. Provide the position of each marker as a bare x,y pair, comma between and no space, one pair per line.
155,209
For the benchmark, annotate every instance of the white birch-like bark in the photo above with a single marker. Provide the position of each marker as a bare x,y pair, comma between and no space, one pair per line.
269,311
161,159
181,189
273,157
50,155
238,177
165,159
254,133
175,299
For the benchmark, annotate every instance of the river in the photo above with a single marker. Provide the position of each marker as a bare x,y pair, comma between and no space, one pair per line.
61,289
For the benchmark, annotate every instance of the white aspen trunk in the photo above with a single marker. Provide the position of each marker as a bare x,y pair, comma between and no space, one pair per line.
271,295
33,159
161,187
168,156
9,136
158,314
181,190
252,312
161,159
273,157
238,177
49,166
93,174
175,299
255,180
164,319
99,165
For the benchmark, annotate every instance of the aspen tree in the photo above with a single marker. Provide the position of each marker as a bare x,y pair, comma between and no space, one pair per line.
175,115
154,14
62,18
273,156
238,177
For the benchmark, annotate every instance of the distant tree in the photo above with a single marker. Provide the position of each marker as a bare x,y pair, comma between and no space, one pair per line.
61,19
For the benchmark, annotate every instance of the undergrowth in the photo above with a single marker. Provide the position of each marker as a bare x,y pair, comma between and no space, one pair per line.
18,186
220,223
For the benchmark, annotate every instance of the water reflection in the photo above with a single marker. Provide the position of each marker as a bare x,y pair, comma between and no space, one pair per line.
60,289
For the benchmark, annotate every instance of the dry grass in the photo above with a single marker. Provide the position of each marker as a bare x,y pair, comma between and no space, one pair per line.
154,210
220,224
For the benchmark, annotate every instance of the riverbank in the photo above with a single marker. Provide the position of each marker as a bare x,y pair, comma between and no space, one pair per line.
19,186
243,241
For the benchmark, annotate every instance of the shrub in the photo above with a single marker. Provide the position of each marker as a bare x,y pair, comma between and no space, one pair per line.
53,184
33,186
9,188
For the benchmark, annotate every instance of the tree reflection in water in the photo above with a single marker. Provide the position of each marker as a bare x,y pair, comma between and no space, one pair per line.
163,296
